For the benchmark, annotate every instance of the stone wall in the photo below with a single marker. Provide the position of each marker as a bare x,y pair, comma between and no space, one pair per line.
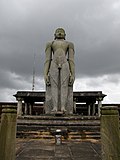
38,108
6,103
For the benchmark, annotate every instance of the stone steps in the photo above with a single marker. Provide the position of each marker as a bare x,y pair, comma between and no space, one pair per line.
40,127
47,135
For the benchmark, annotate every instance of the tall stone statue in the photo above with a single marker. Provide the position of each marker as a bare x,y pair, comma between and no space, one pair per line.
59,74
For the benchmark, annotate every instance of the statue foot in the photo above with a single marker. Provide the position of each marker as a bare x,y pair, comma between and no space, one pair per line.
63,110
54,110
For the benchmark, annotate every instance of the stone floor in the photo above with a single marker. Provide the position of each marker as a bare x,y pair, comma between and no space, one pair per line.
34,149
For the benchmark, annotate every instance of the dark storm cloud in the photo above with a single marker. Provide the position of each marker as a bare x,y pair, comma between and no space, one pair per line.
26,26
103,59
88,25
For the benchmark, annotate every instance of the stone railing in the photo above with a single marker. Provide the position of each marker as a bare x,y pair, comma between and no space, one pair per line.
110,135
8,132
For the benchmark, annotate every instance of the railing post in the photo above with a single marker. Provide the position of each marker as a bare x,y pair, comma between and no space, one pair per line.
8,132
110,137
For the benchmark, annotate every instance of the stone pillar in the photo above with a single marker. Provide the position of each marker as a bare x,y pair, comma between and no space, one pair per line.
110,136
8,132
93,111
99,105
74,106
43,107
89,109
19,107
26,108
30,108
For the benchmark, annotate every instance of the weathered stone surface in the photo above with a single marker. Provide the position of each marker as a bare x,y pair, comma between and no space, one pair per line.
19,107
59,74
88,98
110,135
69,150
8,132
77,127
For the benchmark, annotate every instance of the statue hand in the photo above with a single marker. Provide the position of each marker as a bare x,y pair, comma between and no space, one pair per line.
47,80
71,80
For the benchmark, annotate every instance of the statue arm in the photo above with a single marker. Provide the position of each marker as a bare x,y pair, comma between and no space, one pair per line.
48,52
71,63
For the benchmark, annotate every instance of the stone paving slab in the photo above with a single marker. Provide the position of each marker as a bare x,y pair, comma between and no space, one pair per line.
37,149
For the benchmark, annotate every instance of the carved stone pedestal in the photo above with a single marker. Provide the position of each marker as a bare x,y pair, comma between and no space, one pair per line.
8,132
110,136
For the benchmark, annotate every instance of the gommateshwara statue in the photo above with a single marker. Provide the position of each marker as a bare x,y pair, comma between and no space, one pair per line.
59,74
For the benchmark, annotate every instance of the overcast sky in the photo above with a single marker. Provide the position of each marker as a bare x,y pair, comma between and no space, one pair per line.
92,25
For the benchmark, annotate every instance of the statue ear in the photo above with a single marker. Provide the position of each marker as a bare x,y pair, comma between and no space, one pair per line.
64,36
55,36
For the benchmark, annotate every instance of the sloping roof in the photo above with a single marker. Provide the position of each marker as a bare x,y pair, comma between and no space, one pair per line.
39,96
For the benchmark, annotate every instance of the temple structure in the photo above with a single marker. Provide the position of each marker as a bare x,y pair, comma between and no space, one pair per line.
85,103
59,76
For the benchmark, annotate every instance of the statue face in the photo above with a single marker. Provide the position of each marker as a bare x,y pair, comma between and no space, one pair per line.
60,34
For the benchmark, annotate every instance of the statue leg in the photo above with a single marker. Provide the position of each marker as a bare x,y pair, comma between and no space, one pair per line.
54,93
48,100
64,86
64,96
54,86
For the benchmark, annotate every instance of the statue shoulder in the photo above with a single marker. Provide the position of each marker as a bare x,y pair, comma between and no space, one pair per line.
71,45
48,45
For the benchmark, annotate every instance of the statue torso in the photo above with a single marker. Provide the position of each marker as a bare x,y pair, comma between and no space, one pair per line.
59,48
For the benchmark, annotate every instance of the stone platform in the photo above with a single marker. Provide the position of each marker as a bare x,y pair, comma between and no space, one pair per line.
34,149
77,127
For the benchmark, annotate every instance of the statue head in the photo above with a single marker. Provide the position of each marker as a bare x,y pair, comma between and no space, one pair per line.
60,33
